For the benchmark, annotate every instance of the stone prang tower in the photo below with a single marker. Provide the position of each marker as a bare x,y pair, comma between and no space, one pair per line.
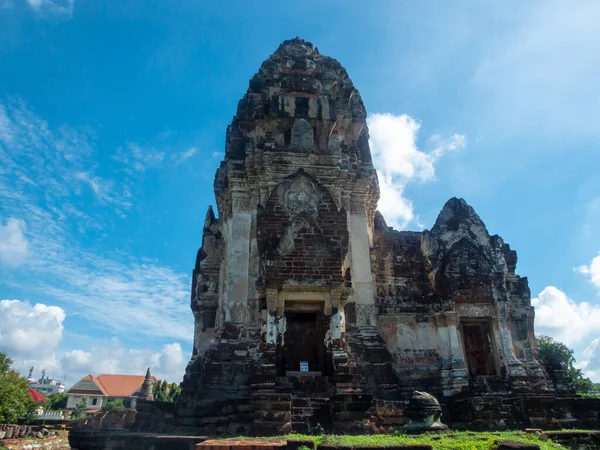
302,294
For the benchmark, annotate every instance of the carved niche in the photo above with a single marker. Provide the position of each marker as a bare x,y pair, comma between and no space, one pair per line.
300,199
302,135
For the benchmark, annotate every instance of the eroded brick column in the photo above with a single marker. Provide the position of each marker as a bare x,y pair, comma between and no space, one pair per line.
360,254
237,259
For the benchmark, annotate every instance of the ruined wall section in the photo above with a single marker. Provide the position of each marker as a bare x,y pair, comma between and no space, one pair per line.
204,297
407,305
436,288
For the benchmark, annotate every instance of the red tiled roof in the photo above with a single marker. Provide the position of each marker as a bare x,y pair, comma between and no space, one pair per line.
113,385
36,396
121,385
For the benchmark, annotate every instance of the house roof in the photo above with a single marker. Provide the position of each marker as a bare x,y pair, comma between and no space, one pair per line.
36,396
113,385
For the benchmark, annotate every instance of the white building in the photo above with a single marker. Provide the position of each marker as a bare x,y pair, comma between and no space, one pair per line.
46,385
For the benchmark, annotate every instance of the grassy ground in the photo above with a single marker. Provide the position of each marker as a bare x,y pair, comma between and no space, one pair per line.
463,440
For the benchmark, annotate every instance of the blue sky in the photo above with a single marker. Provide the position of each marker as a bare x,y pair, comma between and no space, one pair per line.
113,118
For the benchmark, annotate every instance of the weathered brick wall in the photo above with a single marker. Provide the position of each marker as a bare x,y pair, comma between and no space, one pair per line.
401,271
319,249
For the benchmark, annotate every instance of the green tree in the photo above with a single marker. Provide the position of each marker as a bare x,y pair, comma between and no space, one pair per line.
162,391
552,352
15,401
57,401
5,362
113,404
174,391
80,410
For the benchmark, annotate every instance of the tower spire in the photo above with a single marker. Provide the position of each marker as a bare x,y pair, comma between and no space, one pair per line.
147,387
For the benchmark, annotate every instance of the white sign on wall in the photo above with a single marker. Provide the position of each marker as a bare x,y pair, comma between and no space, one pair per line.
303,366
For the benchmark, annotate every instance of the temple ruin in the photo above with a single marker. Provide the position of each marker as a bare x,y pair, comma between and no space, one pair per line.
312,315
301,288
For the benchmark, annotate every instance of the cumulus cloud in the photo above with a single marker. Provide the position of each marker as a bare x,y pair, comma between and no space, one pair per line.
30,334
30,330
13,243
168,363
562,318
592,270
398,160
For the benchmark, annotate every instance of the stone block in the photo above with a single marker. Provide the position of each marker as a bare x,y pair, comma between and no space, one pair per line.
516,445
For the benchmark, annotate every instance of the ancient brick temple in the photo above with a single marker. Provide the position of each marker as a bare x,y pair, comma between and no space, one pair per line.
306,302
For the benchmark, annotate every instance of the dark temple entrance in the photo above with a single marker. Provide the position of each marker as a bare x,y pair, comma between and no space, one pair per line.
479,348
304,340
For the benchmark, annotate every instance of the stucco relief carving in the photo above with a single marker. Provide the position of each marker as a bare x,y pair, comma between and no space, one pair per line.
366,315
239,312
300,196
241,203
300,199
286,244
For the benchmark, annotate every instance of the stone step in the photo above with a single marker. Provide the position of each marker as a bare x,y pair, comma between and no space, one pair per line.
300,427
303,402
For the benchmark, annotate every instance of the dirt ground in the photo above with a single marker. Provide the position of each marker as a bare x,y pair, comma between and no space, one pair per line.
60,442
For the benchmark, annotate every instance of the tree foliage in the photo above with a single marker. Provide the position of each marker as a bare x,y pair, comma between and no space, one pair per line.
165,392
57,401
113,404
80,410
15,401
556,354
552,352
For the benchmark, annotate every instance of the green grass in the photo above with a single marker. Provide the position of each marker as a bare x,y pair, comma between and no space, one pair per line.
462,440
584,395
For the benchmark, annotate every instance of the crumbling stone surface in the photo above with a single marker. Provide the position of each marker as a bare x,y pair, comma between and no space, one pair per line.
449,302
118,419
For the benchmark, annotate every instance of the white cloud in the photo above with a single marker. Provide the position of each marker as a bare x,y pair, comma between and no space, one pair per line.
167,364
142,158
398,160
103,189
41,174
182,156
64,7
30,334
42,165
591,363
96,287
13,243
592,270
563,319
